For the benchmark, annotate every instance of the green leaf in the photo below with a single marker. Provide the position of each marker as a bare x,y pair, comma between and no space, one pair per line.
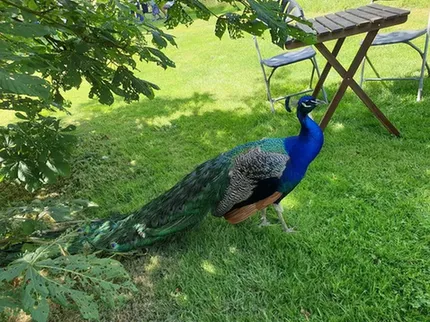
201,11
162,60
157,40
34,297
25,29
13,271
48,172
72,77
23,84
69,128
177,15
269,13
21,116
59,213
7,53
28,226
43,280
62,167
23,172
10,170
220,27
86,305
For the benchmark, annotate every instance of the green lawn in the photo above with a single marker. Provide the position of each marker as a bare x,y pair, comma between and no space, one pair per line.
362,250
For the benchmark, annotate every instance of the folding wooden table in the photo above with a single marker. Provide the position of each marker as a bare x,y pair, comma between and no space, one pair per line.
367,19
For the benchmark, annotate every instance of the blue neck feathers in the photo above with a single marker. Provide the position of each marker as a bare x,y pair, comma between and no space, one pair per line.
310,139
302,150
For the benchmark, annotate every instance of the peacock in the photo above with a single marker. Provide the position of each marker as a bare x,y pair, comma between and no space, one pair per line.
233,185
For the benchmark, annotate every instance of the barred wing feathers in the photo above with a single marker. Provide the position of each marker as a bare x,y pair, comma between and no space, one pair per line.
254,180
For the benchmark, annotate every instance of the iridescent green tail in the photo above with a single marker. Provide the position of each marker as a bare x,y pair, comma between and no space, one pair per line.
180,208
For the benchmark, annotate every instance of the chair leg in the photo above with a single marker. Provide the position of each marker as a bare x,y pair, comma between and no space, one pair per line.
314,62
362,71
267,82
423,55
424,64
312,74
269,95
373,67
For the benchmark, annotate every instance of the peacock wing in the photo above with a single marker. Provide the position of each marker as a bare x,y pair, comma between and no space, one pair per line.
254,180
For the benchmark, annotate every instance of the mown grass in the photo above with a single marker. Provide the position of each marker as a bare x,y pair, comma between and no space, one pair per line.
361,252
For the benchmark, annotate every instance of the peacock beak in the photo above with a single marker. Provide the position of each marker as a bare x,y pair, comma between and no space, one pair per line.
287,104
319,102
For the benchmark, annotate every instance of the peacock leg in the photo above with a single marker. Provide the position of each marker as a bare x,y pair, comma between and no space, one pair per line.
264,221
279,210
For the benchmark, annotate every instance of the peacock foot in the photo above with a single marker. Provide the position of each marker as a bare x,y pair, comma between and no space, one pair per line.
264,223
279,210
287,229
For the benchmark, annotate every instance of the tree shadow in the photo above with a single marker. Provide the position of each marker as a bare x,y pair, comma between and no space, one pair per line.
129,155
336,208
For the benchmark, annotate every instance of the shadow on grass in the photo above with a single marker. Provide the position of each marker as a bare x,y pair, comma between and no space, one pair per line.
352,211
358,211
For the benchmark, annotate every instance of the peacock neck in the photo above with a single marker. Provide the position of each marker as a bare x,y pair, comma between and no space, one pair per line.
302,149
309,141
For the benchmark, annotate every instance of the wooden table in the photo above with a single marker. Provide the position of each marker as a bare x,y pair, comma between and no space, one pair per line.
367,19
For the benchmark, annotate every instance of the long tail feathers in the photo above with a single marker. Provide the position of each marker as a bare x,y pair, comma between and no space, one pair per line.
178,209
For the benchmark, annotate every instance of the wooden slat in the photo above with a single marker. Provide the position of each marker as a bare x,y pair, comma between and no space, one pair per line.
365,15
350,32
357,20
305,28
377,12
329,24
346,24
321,30
398,11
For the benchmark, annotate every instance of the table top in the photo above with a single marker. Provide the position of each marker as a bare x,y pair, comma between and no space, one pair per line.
351,22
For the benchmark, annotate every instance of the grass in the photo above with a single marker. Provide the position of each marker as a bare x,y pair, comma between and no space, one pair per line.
361,252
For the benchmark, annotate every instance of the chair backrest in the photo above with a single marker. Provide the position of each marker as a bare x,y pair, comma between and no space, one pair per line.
289,7
428,26
292,8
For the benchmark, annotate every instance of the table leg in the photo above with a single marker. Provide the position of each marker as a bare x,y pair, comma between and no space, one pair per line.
333,104
348,80
373,108
327,68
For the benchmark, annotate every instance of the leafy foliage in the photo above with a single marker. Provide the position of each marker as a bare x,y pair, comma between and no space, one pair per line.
258,16
48,47
76,281
23,227
36,151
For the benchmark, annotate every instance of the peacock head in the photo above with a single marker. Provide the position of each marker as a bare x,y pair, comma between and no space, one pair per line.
305,105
